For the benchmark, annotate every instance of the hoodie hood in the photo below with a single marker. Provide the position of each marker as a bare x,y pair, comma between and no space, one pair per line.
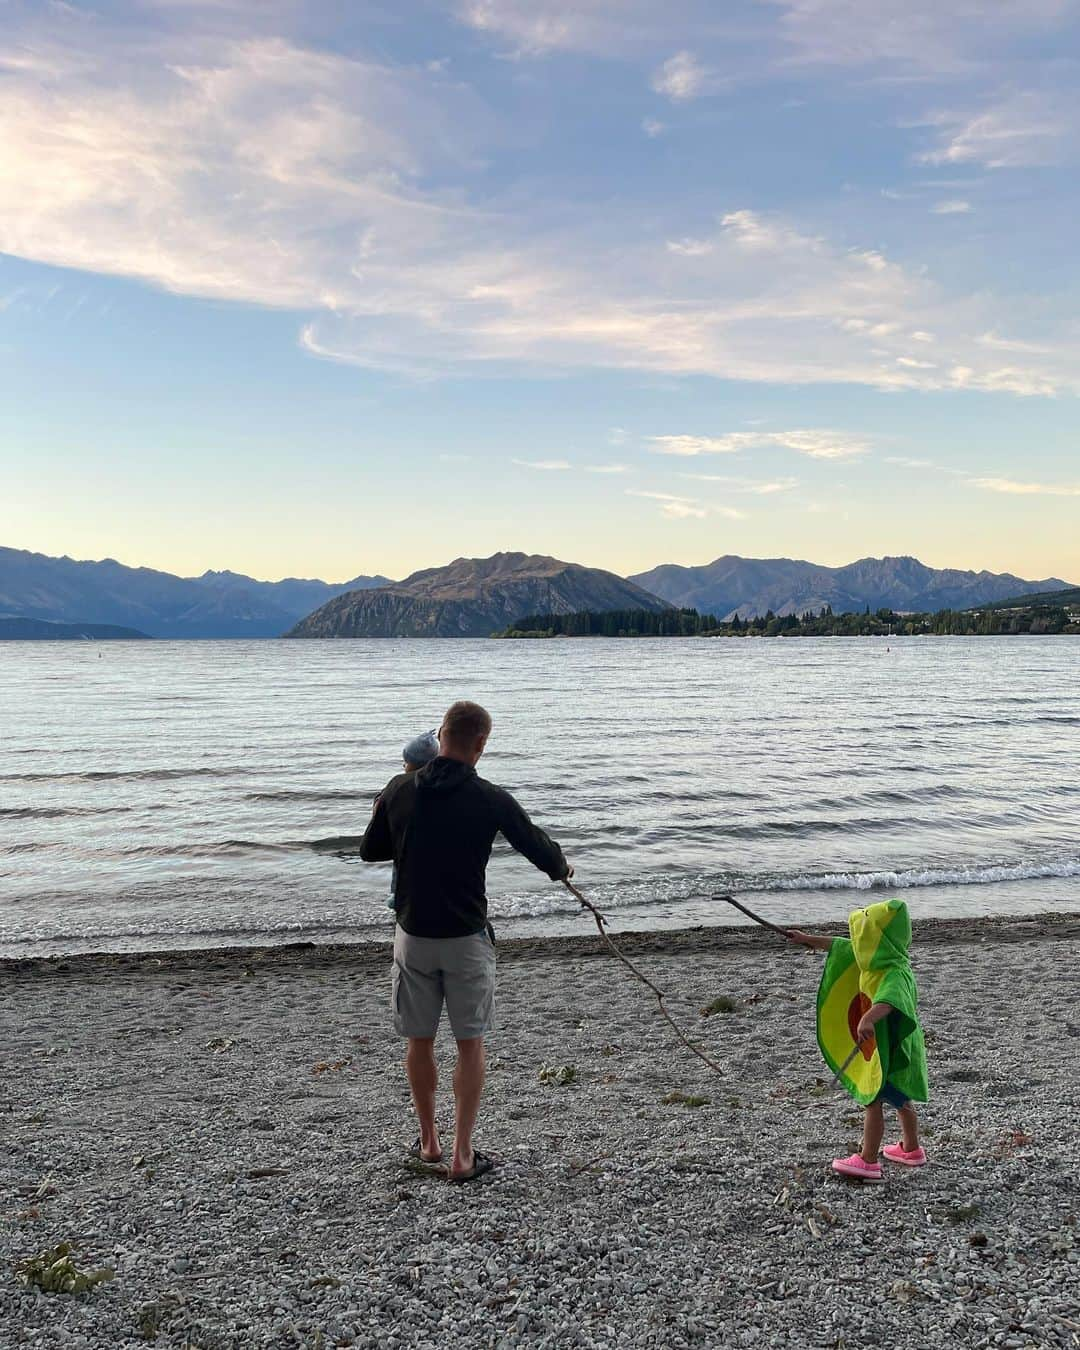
881,935
443,775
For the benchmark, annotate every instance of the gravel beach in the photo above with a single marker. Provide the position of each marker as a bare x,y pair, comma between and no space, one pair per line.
228,1132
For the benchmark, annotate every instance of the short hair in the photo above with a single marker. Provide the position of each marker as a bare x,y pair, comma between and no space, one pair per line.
465,721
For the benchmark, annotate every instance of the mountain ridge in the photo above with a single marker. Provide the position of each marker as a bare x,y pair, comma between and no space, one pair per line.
732,585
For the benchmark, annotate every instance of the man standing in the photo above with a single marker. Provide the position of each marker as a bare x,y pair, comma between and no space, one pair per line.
438,826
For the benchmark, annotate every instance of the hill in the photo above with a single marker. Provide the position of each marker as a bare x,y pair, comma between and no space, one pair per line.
41,630
474,597
1066,599
215,605
746,587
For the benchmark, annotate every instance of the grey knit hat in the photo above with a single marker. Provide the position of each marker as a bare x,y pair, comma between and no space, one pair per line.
421,749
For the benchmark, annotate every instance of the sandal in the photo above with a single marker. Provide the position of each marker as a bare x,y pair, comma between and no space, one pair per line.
481,1163
415,1151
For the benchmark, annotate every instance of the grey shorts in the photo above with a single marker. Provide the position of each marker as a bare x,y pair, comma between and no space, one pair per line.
431,971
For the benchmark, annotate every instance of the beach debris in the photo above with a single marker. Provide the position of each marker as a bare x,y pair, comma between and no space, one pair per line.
903,1291
254,1173
331,1065
722,1004
219,1044
560,1074
684,1099
54,1271
977,1239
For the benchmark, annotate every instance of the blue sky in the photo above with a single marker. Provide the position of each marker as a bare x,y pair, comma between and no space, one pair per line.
319,289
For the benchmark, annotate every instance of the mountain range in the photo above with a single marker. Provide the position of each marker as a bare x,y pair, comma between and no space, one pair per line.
747,586
215,605
474,597
470,597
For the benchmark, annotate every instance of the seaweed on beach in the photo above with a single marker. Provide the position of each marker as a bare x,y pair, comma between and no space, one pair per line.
54,1271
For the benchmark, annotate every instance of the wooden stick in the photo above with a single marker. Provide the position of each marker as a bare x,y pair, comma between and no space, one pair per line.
845,1066
601,924
730,899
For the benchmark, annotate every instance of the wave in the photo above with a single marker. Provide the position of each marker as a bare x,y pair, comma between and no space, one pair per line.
976,875
55,812
107,775
317,795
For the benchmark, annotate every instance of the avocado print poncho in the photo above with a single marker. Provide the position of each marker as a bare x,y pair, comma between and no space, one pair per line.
873,967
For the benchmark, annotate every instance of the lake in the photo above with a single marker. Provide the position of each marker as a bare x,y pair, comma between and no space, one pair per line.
165,794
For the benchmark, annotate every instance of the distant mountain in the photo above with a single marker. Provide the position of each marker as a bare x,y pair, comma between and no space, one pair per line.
474,597
41,630
749,586
296,596
216,605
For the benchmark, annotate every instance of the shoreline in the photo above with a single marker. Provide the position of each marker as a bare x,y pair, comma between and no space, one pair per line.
701,940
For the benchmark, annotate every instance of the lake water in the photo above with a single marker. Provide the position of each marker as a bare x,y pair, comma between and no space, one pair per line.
167,794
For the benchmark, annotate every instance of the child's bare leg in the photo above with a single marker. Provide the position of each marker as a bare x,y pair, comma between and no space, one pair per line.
909,1128
873,1132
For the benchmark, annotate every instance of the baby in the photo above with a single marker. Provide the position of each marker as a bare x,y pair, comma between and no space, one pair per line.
868,999
421,750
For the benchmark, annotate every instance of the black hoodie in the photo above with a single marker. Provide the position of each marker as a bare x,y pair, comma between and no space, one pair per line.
438,825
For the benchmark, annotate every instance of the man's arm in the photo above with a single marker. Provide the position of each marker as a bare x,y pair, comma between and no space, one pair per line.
530,840
377,844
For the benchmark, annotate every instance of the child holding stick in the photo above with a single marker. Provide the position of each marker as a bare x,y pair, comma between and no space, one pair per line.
868,998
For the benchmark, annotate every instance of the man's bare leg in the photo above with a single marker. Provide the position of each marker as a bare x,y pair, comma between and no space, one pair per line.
423,1076
873,1132
468,1086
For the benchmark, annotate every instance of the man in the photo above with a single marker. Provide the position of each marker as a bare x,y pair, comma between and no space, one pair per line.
438,826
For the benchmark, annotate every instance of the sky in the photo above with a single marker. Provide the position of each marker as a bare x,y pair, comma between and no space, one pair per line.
331,288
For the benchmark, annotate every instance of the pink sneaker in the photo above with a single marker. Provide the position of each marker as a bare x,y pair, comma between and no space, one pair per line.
855,1166
898,1154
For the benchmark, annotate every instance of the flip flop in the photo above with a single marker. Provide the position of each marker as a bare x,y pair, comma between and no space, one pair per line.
481,1164
415,1151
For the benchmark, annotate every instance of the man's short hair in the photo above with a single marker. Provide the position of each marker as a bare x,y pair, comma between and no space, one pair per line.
465,722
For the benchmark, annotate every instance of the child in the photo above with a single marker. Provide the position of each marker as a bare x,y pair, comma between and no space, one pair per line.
868,998
421,750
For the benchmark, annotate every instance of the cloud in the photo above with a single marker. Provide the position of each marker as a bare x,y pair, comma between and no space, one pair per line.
684,508
241,166
818,444
952,207
757,488
547,465
1009,486
681,77
1024,130
652,128
607,468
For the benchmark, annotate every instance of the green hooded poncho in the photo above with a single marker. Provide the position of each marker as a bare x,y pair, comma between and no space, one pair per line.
873,967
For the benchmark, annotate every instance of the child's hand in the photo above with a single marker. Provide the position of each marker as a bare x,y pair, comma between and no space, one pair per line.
797,935
865,1030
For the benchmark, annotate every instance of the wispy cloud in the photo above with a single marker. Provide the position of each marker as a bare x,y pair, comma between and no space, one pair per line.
607,468
652,128
546,465
765,488
229,164
953,207
1026,129
818,444
1013,488
682,508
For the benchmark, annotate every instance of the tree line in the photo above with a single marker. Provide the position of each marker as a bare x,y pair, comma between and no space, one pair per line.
639,623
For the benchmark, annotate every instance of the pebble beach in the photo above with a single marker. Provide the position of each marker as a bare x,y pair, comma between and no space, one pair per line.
227,1132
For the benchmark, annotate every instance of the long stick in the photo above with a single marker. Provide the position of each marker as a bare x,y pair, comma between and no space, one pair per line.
601,923
845,1066
730,899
